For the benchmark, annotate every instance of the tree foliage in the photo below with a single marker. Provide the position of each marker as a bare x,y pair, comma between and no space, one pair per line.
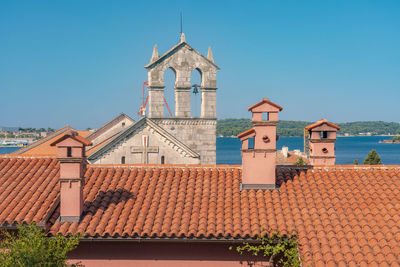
281,250
232,127
355,162
372,158
300,162
29,246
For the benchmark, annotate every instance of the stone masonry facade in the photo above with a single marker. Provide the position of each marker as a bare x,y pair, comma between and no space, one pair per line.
197,133
160,149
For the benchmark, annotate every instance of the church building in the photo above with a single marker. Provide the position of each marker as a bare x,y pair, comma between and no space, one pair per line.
156,138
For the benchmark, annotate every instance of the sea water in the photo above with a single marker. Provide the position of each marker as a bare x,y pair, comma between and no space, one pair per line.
347,149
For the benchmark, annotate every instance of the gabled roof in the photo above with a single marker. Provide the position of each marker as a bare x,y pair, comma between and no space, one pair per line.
246,133
175,49
108,125
263,101
342,215
121,136
321,122
43,145
94,148
73,135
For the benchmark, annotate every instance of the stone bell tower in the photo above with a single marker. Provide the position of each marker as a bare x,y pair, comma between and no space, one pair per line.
199,133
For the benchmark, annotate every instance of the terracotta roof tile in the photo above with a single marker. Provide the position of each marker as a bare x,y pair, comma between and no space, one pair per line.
42,147
342,215
28,189
321,122
245,133
264,100
74,135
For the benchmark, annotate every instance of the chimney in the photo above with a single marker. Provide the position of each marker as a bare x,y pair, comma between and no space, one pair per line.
285,151
71,155
259,147
321,138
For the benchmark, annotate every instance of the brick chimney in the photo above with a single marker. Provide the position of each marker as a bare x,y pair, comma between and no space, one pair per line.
322,137
72,158
259,147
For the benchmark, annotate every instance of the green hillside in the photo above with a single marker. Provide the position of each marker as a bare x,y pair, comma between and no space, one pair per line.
232,127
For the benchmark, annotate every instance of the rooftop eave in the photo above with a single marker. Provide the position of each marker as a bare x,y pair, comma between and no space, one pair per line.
265,100
172,51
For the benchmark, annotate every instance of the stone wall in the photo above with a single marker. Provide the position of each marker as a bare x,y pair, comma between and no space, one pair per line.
197,133
171,152
183,60
114,129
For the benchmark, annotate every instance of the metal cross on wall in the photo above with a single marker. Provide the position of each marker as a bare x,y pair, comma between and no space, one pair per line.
145,149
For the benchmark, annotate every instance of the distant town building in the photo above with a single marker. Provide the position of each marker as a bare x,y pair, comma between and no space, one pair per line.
8,129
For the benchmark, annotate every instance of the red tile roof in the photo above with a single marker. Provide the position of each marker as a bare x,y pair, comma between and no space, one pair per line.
321,122
74,135
245,133
290,159
42,147
343,215
264,100
28,189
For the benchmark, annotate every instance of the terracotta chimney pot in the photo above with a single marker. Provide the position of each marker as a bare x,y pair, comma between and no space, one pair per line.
322,137
72,158
259,147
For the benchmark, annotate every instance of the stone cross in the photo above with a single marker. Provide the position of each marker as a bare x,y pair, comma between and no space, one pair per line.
145,149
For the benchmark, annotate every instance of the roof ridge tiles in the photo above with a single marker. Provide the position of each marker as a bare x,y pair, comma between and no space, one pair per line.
343,207
27,156
166,166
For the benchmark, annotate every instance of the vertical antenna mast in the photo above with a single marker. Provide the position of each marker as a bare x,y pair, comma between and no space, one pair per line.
181,22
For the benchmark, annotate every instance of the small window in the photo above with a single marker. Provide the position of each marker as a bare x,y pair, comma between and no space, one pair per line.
324,134
265,139
123,160
162,160
265,116
251,143
123,124
325,150
69,152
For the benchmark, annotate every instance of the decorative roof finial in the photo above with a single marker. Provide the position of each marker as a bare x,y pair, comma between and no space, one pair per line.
183,39
154,57
210,55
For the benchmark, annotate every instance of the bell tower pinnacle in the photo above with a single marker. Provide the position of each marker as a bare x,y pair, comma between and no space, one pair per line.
182,59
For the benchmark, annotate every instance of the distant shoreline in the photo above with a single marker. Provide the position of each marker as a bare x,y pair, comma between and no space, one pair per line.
383,135
232,127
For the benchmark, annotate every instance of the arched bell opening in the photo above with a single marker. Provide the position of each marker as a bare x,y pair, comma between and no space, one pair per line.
169,92
195,95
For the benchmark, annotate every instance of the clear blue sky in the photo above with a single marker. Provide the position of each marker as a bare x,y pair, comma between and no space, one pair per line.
81,62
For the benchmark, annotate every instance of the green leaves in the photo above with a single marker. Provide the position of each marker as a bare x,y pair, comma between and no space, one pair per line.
300,162
372,158
29,246
281,250
232,127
